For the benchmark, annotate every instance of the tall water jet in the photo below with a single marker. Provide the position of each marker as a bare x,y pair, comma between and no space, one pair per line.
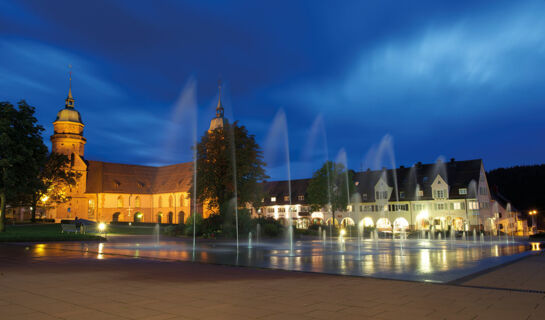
280,127
250,240
319,232
474,235
186,108
318,126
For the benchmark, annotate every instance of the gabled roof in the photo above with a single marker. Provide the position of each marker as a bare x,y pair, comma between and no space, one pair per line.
106,177
457,174
280,189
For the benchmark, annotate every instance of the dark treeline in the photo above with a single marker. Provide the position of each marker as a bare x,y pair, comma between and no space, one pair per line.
524,186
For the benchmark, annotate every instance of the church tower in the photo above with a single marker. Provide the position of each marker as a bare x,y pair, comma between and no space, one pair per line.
219,121
68,129
68,139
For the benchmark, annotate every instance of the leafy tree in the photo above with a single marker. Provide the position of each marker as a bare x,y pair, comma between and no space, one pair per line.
329,188
54,181
22,154
217,153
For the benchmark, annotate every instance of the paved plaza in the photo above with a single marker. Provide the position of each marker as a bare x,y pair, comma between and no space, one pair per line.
38,283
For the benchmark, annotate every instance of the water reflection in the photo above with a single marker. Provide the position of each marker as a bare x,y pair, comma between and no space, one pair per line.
438,261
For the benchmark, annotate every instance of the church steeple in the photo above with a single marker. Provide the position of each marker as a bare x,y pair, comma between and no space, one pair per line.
219,121
219,107
70,100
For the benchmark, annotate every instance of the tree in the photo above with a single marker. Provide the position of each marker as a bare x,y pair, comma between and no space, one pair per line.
330,188
54,181
22,154
217,153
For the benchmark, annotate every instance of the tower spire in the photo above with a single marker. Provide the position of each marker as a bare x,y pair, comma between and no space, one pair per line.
69,100
219,108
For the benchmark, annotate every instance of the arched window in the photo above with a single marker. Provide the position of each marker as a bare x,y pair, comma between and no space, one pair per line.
160,202
137,202
170,202
120,202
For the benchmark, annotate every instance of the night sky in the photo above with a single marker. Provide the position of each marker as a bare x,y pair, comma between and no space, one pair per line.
386,81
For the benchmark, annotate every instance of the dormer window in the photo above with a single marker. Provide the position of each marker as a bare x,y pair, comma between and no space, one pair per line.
440,194
286,198
364,196
300,197
462,191
273,199
402,194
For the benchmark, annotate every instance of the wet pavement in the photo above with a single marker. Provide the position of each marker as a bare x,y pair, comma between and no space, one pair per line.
51,282
414,260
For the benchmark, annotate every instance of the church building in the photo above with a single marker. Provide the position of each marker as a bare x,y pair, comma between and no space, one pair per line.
109,192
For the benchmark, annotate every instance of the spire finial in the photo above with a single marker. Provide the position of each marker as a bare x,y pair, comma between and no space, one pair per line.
70,99
219,108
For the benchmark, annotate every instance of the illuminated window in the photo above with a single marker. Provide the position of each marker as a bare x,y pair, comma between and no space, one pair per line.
457,206
270,210
282,209
300,197
273,199
286,198
462,191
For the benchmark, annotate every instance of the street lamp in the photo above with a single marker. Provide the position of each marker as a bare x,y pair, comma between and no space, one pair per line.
533,214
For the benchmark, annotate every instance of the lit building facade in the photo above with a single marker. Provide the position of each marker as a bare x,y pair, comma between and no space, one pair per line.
437,196
121,192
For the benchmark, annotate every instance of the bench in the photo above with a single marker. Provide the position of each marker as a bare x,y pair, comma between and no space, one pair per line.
68,228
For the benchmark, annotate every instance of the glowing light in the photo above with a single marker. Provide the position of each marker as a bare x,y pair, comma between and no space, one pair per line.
422,215
101,227
44,198
366,222
536,246
343,232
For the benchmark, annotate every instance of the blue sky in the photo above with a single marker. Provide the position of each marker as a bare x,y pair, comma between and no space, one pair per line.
384,82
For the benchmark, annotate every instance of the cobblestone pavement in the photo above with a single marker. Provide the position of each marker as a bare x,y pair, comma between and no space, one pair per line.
72,285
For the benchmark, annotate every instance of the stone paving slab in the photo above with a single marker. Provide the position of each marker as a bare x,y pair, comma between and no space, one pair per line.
73,286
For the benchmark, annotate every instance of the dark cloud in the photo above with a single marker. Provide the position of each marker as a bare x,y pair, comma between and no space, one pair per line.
460,79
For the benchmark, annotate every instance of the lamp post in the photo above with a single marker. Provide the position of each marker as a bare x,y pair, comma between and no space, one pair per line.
533,214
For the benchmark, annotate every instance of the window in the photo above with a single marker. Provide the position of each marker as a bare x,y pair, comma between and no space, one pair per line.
402,194
270,210
300,197
439,206
282,209
462,191
286,198
273,199
91,210
120,202
364,196
293,209
137,202
381,195
440,194
473,205
420,193
418,207
457,206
